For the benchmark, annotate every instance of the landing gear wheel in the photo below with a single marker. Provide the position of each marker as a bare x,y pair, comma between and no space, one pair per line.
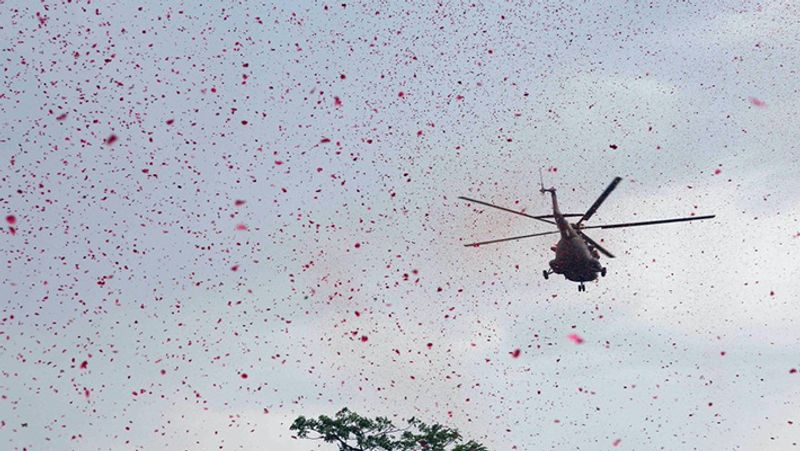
603,272
546,274
581,287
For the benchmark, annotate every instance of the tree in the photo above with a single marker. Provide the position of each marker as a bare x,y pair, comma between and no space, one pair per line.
352,432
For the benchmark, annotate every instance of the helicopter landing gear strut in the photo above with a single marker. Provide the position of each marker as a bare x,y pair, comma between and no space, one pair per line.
546,274
581,287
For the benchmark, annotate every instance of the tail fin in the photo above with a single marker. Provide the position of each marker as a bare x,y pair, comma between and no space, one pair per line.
541,181
542,189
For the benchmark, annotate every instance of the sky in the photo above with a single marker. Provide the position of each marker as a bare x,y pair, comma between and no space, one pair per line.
221,215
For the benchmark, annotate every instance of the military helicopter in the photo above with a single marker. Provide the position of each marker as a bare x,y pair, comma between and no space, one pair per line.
577,255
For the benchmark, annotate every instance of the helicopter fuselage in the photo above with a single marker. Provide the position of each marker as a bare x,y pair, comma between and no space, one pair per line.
574,259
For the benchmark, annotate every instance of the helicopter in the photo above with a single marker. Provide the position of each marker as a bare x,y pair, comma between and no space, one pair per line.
577,255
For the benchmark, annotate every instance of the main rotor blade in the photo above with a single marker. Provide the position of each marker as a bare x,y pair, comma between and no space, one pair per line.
566,215
595,245
538,218
643,223
510,239
591,211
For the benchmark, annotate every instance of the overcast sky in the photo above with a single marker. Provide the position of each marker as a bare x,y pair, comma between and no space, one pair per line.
221,215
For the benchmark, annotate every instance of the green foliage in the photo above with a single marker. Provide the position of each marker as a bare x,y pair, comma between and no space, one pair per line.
352,432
